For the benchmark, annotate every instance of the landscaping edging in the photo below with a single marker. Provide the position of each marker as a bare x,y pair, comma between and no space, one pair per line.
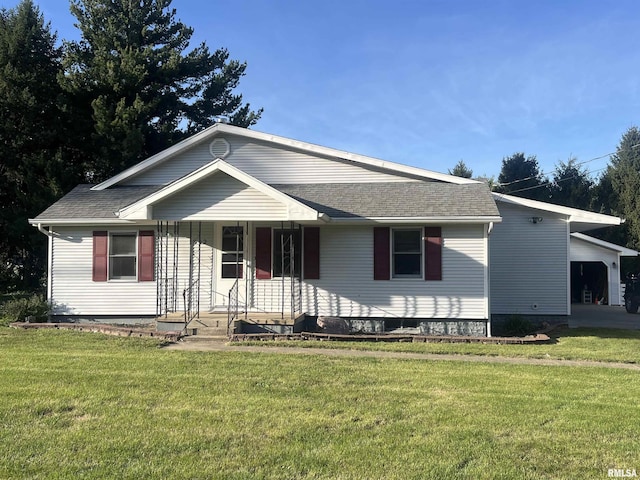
243,337
102,328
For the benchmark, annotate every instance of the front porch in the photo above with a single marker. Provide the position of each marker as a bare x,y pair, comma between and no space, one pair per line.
211,324
219,276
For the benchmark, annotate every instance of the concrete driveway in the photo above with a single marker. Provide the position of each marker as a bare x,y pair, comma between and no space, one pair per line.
602,316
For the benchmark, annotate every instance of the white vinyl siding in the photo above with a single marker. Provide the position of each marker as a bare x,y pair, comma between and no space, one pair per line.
267,163
73,291
346,286
220,197
529,264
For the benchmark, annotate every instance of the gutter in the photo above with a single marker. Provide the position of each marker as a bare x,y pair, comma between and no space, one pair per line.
41,229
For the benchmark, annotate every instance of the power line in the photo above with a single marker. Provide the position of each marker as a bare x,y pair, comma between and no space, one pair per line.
548,173
551,183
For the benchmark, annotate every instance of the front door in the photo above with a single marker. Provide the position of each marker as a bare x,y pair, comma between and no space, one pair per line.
230,263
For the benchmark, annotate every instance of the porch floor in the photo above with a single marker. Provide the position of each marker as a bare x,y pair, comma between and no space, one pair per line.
215,318
215,323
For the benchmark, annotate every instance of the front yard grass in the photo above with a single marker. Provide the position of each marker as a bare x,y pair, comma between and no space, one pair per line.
81,405
593,344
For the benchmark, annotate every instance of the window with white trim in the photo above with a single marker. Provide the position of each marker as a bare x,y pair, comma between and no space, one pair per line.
407,253
122,256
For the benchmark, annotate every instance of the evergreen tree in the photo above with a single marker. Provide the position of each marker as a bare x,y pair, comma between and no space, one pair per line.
521,176
624,172
571,186
461,170
137,86
34,166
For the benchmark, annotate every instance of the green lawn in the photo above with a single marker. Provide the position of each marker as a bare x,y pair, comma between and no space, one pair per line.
81,405
596,344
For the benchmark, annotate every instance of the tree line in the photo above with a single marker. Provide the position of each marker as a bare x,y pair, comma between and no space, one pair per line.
615,192
76,112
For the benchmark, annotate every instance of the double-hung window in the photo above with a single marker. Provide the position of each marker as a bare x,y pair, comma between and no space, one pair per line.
407,253
232,252
122,256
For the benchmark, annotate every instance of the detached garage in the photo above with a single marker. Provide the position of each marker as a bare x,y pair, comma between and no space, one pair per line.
595,270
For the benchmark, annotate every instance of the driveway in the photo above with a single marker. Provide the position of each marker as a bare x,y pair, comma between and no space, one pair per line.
602,316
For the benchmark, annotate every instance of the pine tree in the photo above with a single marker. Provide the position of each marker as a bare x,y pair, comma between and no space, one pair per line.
521,176
624,172
461,170
34,167
571,186
138,86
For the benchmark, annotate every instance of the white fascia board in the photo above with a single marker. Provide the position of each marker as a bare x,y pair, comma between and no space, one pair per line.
221,128
84,221
573,214
418,220
625,252
142,209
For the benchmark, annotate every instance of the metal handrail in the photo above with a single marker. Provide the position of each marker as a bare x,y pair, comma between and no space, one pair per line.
191,310
232,306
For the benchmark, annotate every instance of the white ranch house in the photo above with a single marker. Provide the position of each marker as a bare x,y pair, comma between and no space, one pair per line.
234,219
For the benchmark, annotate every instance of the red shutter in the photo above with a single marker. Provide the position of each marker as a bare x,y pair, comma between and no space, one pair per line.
263,253
146,249
100,256
433,253
381,253
311,252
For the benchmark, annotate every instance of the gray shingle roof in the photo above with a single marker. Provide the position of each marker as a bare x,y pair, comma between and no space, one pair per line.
405,199
82,202
338,200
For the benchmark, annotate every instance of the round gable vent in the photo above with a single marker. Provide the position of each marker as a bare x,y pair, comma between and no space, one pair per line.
219,148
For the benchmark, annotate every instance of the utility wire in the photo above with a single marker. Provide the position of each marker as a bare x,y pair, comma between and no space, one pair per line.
548,173
551,183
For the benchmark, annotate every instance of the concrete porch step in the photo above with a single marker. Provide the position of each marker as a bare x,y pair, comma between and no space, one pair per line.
200,331
205,338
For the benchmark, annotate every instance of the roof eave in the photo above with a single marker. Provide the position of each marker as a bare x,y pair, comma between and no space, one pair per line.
623,251
429,220
79,221
575,215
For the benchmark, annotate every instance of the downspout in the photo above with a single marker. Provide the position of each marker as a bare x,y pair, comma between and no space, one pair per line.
49,234
487,277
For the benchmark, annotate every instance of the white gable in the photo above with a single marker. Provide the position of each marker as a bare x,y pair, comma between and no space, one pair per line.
225,190
220,197
201,147
266,162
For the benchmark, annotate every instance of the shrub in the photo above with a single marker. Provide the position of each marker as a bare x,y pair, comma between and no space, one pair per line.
18,309
516,325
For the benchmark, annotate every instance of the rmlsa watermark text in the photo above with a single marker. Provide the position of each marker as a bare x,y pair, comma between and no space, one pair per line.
622,472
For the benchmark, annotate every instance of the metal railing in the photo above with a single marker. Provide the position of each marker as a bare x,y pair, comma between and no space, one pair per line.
232,306
166,296
191,298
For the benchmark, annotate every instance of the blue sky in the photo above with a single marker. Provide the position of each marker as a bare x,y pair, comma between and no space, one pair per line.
428,83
